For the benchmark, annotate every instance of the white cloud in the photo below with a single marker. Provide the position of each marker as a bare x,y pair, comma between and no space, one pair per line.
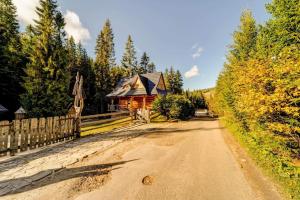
194,71
74,27
198,52
26,10
195,46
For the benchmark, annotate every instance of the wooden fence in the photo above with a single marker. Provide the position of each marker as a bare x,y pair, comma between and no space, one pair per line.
25,134
102,118
21,135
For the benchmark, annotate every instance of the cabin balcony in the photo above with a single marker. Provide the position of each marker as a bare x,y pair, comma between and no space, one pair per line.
116,108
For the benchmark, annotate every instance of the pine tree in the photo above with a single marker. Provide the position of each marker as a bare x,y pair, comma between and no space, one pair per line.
244,39
282,30
47,80
151,68
129,61
178,83
106,41
144,63
84,67
104,62
11,59
173,81
72,65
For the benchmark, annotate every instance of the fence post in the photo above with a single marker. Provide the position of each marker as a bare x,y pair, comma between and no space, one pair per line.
77,121
12,133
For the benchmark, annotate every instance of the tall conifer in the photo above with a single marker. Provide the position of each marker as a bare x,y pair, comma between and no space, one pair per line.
129,61
11,59
47,80
105,60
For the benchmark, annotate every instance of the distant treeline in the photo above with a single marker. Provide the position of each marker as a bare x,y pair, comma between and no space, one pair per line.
38,66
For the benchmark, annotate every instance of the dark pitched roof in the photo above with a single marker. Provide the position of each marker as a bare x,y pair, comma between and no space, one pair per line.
149,81
3,109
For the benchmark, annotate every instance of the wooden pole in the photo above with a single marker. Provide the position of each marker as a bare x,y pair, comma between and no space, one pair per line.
144,103
131,108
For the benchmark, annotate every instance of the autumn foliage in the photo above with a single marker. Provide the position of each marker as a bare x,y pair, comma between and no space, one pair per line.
260,84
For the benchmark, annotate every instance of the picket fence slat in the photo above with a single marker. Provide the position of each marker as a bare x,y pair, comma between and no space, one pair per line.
4,132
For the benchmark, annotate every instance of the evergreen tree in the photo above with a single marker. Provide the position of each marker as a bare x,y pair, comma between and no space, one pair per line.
106,41
72,65
178,83
151,68
71,53
47,80
84,67
173,81
11,60
244,39
104,62
144,63
129,61
282,30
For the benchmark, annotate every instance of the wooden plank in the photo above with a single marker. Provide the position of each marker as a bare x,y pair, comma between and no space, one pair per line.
24,135
70,128
67,135
49,130
40,131
4,131
103,115
52,134
48,119
62,120
55,129
34,132
102,121
73,128
14,137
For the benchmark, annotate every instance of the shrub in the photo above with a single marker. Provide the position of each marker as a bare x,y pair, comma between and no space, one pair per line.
174,106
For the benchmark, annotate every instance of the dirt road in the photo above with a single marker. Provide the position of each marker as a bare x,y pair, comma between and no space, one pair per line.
184,160
187,160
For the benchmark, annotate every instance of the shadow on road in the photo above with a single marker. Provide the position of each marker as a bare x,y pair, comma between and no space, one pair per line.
52,176
20,160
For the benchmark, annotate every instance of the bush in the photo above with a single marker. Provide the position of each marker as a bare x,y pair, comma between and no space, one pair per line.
174,106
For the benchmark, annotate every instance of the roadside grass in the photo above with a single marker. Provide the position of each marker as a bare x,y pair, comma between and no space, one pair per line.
158,118
101,128
271,153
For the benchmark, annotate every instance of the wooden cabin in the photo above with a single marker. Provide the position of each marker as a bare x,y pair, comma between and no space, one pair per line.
137,92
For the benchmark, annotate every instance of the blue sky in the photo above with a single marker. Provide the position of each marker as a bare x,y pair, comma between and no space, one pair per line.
186,34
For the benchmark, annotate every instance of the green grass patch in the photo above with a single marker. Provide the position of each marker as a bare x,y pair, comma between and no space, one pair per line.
158,118
101,128
271,153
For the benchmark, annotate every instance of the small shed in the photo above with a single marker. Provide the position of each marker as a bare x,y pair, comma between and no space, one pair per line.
20,113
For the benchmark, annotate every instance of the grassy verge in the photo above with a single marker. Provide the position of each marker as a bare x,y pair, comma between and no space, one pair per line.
272,154
90,130
157,118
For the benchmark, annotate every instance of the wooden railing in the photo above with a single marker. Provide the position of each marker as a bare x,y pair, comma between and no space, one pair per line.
102,118
116,108
21,135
